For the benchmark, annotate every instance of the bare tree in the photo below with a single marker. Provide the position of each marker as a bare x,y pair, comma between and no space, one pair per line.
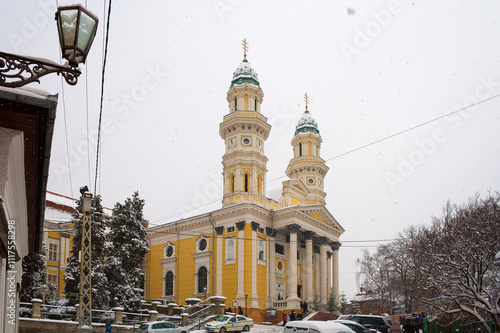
456,254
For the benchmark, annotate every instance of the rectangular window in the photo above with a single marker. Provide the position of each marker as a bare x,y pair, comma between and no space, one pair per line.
279,249
229,229
52,252
52,278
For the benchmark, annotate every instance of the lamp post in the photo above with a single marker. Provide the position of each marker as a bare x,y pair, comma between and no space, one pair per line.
246,305
77,28
85,324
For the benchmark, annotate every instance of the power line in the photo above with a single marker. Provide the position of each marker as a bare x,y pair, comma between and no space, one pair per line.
349,151
102,97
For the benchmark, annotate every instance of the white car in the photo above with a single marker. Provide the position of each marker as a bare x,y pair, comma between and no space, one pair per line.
312,326
356,327
230,323
161,327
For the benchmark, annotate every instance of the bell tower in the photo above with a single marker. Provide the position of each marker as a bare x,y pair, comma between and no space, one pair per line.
244,131
306,164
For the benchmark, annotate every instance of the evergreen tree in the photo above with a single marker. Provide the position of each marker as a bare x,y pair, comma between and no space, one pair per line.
100,293
34,276
343,304
129,247
315,303
331,304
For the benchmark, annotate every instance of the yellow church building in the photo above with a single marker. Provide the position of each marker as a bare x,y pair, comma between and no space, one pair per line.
257,251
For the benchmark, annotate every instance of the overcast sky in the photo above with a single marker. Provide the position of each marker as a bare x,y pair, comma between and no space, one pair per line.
371,69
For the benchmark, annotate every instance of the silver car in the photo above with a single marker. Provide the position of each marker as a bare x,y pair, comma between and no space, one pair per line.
161,327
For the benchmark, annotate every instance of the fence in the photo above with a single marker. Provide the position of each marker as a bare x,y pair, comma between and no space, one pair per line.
433,326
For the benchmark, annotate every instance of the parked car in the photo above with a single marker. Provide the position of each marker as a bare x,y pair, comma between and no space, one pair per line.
312,326
356,327
161,327
230,323
379,323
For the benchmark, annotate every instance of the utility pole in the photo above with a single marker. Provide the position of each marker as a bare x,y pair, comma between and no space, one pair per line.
85,324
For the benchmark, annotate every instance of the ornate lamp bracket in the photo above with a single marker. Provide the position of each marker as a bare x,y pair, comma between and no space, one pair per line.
17,71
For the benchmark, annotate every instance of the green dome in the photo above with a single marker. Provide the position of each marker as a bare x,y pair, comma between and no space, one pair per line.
244,73
306,124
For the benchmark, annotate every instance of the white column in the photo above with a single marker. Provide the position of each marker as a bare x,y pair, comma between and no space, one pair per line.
271,268
308,272
316,290
219,231
323,270
254,298
329,273
335,248
241,259
292,264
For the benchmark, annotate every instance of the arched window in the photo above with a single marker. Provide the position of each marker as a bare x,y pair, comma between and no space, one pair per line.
255,104
259,184
202,279
231,183
300,148
169,283
235,103
246,182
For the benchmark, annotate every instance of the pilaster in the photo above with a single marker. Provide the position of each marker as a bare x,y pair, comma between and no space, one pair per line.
219,231
241,259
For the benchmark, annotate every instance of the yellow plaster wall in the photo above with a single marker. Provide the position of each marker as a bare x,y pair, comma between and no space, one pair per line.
318,217
156,270
54,234
186,268
295,201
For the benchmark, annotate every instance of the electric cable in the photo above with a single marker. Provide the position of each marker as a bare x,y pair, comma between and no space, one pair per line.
102,97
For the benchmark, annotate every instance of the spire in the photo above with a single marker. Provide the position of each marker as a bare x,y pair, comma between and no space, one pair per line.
306,99
244,44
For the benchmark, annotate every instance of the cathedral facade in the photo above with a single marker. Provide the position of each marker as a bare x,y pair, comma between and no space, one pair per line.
257,252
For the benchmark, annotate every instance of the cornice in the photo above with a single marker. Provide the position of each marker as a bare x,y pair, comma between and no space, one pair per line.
296,211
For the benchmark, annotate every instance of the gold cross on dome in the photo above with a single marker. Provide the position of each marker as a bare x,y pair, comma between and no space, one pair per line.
245,47
306,99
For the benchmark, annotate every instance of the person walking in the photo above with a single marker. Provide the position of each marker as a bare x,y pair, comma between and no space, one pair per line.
240,311
409,325
108,326
284,318
395,328
293,316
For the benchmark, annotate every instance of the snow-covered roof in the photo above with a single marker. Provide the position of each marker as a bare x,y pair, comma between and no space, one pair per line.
58,208
306,124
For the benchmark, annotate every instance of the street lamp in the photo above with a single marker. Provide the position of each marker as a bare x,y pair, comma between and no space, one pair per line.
246,305
77,28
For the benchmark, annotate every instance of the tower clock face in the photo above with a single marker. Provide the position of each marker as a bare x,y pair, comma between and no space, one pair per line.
232,142
310,181
246,141
259,144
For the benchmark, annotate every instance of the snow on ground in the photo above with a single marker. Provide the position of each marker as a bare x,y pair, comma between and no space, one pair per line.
255,329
